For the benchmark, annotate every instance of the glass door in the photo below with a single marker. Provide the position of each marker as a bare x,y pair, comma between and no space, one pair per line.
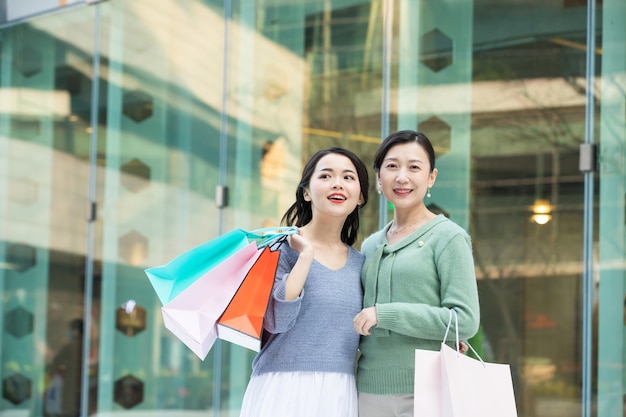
45,93
611,249
158,170
497,87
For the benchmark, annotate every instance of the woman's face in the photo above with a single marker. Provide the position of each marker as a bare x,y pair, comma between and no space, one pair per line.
405,175
334,188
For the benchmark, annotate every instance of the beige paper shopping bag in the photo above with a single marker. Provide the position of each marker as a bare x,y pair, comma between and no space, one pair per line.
451,384
427,383
475,388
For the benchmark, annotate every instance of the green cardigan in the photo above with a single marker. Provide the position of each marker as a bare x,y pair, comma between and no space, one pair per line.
413,284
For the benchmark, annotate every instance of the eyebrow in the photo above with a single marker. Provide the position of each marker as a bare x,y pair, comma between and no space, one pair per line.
331,170
396,159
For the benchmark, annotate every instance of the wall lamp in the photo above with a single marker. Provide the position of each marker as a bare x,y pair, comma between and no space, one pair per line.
541,212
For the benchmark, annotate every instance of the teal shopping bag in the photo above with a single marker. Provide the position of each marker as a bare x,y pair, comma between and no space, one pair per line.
171,279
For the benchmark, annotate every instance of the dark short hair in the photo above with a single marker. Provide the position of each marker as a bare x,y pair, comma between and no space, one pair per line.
300,213
401,137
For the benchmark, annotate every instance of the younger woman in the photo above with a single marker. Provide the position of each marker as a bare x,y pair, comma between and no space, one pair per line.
306,364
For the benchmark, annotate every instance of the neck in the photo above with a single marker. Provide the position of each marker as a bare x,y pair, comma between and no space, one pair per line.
402,223
403,219
326,232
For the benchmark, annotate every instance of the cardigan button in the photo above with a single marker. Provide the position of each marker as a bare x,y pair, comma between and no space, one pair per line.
420,243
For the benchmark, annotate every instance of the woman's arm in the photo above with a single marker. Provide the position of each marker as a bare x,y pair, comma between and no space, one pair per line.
286,298
449,283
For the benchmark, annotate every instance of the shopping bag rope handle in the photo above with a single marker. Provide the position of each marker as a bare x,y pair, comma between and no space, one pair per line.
457,343
269,234
265,232
273,244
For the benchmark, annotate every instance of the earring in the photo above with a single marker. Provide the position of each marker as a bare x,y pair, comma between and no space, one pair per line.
428,193
379,188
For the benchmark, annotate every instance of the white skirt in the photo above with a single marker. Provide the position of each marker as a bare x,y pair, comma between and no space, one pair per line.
300,394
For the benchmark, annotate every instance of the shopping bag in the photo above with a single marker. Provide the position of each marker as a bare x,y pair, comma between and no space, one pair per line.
197,286
242,321
193,314
171,279
427,390
451,384
475,388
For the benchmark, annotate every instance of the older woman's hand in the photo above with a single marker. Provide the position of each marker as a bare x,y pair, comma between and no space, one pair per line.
365,320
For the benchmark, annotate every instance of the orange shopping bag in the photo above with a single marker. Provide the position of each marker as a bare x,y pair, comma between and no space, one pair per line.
242,321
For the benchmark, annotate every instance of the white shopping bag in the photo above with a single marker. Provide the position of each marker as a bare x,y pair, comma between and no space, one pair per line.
451,384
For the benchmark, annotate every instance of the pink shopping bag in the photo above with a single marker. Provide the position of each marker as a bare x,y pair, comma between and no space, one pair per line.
192,315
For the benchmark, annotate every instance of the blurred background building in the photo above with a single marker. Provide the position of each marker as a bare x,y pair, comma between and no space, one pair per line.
121,120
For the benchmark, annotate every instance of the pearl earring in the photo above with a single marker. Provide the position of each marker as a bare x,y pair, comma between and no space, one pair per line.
428,193
379,188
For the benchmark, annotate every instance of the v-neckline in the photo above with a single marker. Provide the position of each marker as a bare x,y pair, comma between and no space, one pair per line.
334,270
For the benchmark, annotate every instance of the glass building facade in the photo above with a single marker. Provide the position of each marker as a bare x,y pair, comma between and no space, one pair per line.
123,122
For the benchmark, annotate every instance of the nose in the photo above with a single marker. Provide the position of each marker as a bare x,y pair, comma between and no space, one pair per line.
401,177
337,183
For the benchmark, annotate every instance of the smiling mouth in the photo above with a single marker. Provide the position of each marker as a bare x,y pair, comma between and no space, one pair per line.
337,197
403,191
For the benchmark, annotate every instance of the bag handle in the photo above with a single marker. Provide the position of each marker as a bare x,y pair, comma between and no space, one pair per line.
456,327
268,234
457,342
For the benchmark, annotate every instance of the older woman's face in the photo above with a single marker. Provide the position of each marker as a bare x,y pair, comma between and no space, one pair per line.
405,175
